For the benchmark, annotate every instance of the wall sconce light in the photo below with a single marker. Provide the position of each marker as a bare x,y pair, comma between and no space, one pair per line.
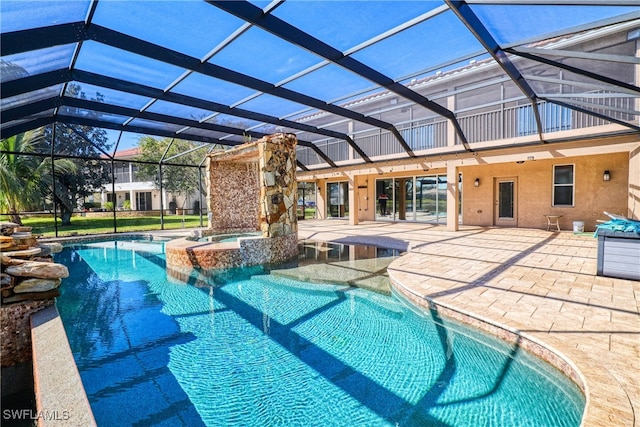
606,176
476,183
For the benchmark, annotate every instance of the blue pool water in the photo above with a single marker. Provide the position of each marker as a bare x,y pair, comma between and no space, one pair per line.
252,349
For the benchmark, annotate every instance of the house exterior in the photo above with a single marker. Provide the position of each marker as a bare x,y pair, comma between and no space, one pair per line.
140,194
577,167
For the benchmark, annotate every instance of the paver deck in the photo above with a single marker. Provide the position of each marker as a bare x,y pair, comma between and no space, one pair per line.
541,285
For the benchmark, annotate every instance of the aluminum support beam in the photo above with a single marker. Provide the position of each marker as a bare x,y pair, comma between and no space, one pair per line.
480,32
253,14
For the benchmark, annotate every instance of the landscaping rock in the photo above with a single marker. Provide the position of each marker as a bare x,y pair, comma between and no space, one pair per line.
6,280
40,270
23,253
20,234
5,260
7,228
50,248
36,285
25,239
6,242
32,296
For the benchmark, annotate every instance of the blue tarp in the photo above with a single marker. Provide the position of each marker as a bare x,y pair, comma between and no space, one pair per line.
624,225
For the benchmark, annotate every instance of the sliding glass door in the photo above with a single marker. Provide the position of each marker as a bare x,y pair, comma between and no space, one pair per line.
421,199
338,200
384,198
403,199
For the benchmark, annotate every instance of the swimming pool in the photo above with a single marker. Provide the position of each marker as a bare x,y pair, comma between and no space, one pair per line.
248,348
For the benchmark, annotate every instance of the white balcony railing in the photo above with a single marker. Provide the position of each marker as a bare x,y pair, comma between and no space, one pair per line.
502,123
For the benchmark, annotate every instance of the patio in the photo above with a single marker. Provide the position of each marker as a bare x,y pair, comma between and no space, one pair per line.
541,285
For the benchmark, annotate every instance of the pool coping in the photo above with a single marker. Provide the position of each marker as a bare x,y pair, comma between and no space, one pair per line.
61,399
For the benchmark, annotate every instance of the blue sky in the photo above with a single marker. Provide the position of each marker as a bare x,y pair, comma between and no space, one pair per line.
194,28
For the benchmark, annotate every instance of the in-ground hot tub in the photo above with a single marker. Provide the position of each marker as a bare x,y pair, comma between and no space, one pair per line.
227,249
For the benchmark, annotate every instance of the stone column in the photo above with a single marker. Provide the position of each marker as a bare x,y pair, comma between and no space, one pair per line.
278,185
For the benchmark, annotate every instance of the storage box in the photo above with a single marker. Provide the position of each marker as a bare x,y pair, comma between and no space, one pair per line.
618,254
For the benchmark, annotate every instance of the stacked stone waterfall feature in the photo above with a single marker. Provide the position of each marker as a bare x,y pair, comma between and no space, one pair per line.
30,281
250,188
278,186
253,186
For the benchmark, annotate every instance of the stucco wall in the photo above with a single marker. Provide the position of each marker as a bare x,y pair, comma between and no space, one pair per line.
634,184
535,187
621,195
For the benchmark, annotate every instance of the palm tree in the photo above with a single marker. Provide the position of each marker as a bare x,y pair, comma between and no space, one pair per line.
25,177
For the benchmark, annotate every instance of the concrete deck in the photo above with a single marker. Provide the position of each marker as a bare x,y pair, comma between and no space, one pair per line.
539,285
60,396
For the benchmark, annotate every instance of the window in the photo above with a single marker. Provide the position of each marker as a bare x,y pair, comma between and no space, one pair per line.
563,185
121,172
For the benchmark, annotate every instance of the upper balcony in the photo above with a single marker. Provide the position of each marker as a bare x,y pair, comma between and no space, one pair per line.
496,125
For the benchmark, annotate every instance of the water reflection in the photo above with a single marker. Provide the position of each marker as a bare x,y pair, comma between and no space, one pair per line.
120,357
362,266
312,251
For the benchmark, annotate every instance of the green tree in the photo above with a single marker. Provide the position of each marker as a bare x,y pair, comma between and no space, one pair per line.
89,174
25,179
85,144
176,179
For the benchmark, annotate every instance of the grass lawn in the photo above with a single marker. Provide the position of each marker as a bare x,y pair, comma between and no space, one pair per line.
88,225
81,225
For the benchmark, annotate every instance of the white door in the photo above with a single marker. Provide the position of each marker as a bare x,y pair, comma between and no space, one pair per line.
506,202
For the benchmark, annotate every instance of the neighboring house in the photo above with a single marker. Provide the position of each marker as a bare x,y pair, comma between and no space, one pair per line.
141,194
507,175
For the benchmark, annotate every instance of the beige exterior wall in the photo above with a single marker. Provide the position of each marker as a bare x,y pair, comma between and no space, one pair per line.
592,195
634,184
534,181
